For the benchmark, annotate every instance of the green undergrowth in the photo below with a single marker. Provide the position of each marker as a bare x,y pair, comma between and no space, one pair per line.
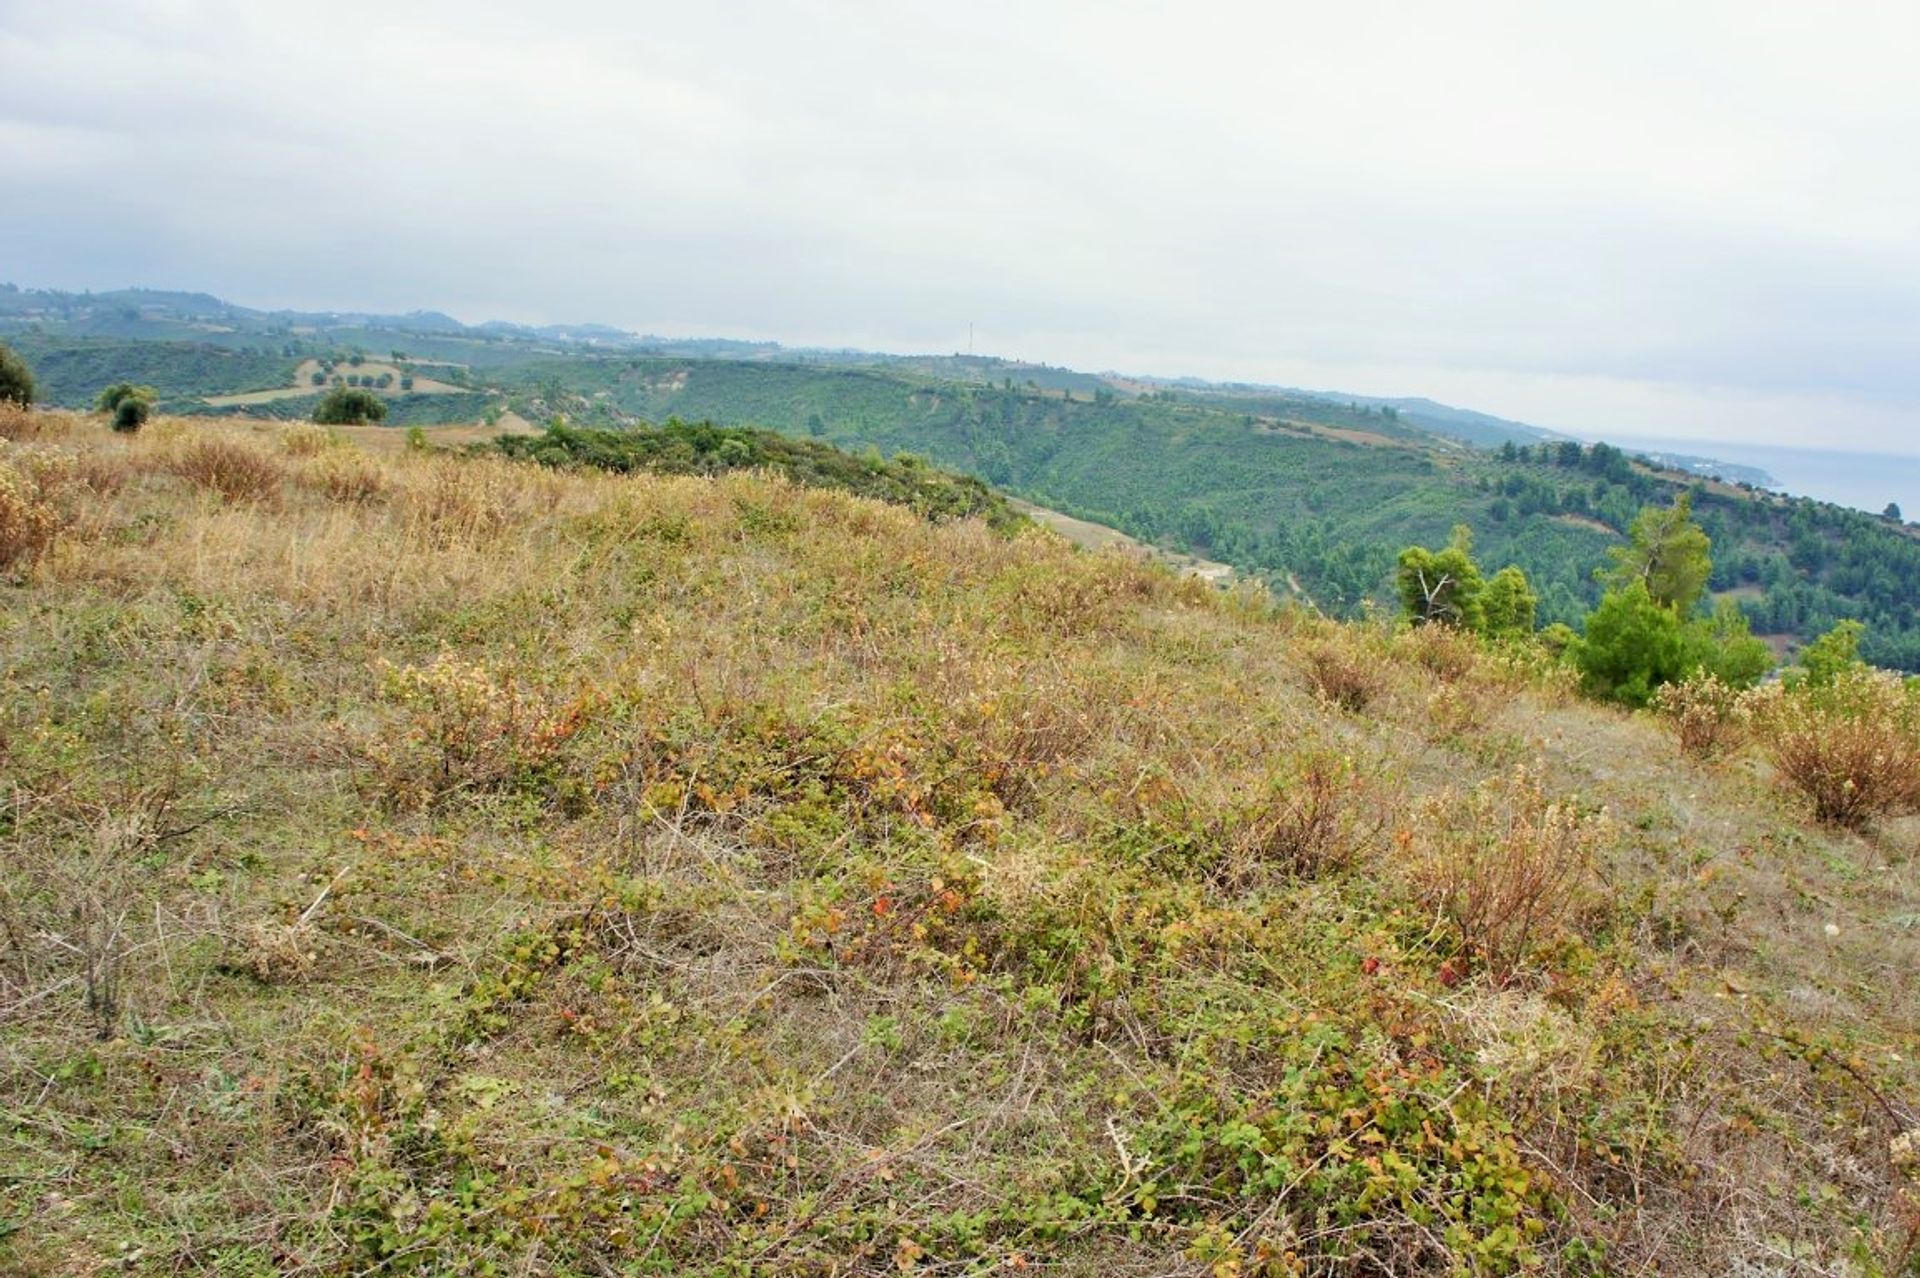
503,871
702,448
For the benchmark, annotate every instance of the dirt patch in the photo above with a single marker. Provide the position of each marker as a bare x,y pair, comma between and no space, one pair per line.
1091,536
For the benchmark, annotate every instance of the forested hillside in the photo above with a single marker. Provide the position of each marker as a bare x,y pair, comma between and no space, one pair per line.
1321,497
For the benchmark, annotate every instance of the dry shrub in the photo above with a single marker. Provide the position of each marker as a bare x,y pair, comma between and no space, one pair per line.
237,470
30,514
467,727
346,476
1448,653
1313,821
306,439
1710,718
449,501
1851,747
1343,673
1037,720
103,473
1503,867
1456,710
24,425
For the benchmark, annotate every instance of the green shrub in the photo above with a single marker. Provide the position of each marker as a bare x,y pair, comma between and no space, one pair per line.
128,405
702,448
131,413
16,379
349,407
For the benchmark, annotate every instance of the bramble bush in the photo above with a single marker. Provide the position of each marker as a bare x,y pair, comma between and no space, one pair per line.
468,727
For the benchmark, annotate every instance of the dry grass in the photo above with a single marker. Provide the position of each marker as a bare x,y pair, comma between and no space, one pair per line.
306,439
26,425
473,867
346,475
235,468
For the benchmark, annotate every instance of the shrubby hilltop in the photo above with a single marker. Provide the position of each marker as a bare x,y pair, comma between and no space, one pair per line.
422,860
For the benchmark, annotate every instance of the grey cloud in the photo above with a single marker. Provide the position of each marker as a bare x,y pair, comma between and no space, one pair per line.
1673,214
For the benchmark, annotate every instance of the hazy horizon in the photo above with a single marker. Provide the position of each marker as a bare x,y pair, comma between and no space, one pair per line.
1545,215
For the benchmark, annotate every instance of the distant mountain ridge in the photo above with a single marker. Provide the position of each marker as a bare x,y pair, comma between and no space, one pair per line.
166,314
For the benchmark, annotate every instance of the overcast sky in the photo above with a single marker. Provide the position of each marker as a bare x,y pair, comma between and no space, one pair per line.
1682,218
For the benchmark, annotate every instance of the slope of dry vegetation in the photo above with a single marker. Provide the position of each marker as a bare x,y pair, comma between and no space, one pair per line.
422,864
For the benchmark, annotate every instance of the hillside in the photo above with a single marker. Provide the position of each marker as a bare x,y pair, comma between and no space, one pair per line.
422,862
1308,491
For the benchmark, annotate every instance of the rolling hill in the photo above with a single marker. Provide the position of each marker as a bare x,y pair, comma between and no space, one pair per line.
432,862
1315,493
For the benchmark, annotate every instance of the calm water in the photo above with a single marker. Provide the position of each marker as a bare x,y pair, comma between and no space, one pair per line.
1865,481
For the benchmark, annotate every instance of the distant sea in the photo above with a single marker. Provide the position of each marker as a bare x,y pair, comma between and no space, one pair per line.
1864,481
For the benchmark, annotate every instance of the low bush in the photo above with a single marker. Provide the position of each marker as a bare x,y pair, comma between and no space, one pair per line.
1710,718
1503,868
1851,747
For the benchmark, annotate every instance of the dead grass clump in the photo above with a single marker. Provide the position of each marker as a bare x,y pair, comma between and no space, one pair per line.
236,470
1456,710
346,476
1342,673
276,952
306,439
103,473
1503,867
1850,747
449,501
25,425
1709,717
1448,653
